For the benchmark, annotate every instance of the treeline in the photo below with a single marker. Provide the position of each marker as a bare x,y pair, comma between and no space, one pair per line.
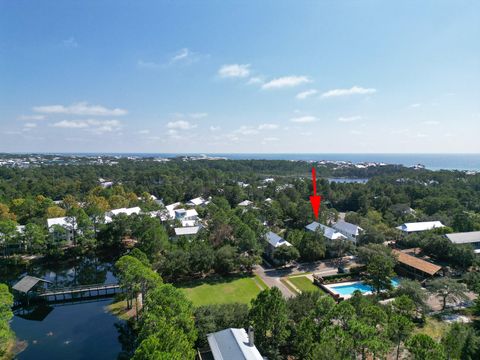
309,326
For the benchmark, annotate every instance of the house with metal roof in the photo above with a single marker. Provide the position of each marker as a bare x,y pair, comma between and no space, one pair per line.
245,203
188,230
274,241
328,232
420,226
232,344
198,201
351,231
68,223
471,238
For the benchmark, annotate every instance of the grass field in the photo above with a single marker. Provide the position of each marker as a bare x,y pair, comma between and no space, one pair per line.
303,283
224,290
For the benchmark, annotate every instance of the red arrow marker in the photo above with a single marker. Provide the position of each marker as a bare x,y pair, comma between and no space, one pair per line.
315,199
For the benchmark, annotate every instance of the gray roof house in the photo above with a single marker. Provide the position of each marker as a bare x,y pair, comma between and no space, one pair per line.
233,344
351,231
274,241
472,238
328,232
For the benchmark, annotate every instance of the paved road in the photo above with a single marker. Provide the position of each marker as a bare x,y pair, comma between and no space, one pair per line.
272,276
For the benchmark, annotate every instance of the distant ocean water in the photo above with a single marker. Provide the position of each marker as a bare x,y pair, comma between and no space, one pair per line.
430,161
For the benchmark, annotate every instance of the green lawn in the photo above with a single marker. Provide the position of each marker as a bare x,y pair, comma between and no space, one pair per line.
224,290
303,283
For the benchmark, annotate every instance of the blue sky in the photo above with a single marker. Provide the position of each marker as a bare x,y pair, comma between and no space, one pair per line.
240,76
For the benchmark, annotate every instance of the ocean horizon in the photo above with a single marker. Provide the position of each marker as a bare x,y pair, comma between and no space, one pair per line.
430,161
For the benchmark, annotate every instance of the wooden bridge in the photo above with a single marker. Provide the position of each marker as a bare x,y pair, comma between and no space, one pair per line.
28,289
53,294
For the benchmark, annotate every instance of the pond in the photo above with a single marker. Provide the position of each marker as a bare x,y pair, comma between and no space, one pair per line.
84,330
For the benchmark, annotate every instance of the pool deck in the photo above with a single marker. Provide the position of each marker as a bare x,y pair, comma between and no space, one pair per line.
331,289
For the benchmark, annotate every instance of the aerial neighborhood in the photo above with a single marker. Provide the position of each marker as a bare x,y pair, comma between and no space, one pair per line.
232,246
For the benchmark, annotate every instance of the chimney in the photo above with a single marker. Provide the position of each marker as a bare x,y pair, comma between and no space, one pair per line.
250,336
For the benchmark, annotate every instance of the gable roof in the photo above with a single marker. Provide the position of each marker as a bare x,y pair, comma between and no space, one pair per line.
27,283
61,221
126,211
416,263
328,232
275,240
232,344
347,227
464,237
245,203
197,201
420,226
187,230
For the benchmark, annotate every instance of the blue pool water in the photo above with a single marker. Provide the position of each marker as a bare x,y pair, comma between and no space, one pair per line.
360,286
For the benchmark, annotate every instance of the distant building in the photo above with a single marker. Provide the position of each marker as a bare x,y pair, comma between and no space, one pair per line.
232,344
471,238
198,201
328,232
127,211
188,230
274,241
69,224
420,226
351,231
245,203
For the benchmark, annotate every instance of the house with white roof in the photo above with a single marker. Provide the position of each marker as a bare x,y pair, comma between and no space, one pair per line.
188,230
274,241
198,201
408,228
351,231
232,344
67,223
169,212
328,232
245,203
127,211
470,238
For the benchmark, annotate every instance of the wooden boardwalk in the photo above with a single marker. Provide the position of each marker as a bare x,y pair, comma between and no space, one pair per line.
53,294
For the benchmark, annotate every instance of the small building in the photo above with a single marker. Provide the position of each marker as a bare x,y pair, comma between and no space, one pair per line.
232,344
198,201
351,231
67,223
328,232
471,238
126,211
245,203
29,284
188,230
408,228
414,267
274,241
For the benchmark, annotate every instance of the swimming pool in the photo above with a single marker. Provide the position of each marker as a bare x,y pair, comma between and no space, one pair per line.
348,289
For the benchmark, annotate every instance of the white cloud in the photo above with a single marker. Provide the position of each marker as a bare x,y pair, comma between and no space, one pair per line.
305,94
254,80
32,117
285,82
354,90
356,132
182,54
180,125
214,128
70,43
304,119
199,115
234,71
431,122
93,125
349,118
81,108
269,139
267,126
246,130
30,125
416,105
143,132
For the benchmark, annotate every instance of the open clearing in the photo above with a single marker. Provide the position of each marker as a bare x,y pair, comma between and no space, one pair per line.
224,290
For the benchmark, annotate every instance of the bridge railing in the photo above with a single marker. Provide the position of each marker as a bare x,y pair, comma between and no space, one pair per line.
76,288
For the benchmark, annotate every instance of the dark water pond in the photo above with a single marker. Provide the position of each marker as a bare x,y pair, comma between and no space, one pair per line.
82,330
